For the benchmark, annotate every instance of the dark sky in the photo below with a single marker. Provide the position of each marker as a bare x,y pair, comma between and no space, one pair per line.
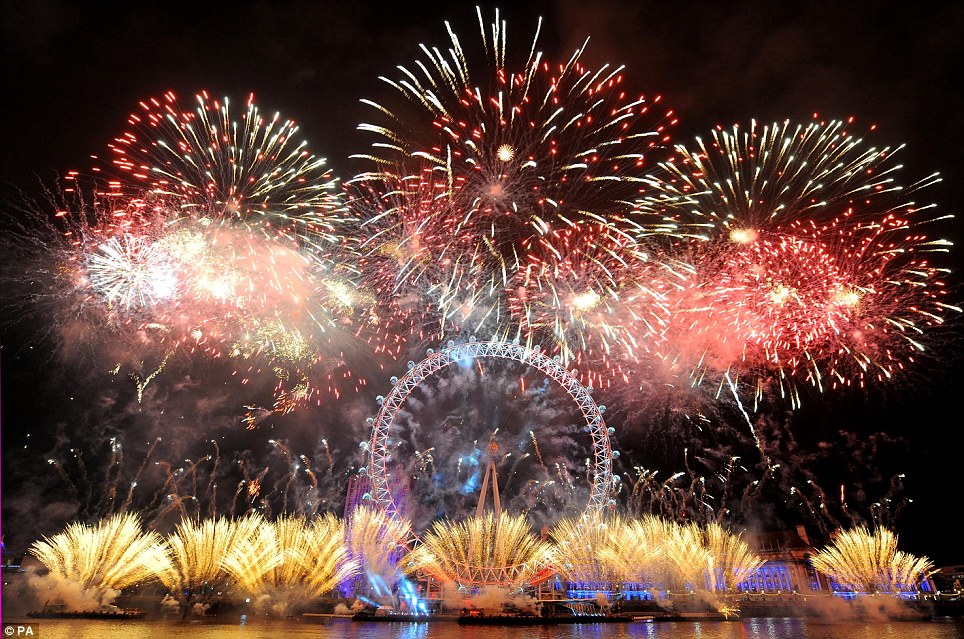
72,73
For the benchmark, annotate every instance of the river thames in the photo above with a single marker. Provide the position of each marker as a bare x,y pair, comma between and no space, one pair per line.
751,628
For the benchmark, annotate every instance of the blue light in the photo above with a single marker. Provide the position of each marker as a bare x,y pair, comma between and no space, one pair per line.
409,595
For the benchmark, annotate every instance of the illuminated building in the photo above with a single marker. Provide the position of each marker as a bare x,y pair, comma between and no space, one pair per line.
787,564
949,579
360,487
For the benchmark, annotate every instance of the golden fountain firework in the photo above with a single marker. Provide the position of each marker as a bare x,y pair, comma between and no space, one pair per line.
865,561
731,560
293,556
637,553
588,548
376,542
685,559
112,554
484,550
190,560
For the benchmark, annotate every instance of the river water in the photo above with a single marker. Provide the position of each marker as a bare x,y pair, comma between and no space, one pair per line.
752,628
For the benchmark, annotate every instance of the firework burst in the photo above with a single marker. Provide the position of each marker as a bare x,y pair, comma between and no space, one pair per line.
731,561
418,294
254,227
137,278
596,296
636,553
811,265
523,148
513,155
249,171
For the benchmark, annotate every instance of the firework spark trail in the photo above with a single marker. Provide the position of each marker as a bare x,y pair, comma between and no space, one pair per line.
811,265
884,512
689,496
142,383
726,480
128,502
95,495
749,422
212,490
288,478
640,489
170,498
328,458
68,482
809,508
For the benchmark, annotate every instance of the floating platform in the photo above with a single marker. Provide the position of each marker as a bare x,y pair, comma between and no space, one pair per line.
400,617
62,612
516,619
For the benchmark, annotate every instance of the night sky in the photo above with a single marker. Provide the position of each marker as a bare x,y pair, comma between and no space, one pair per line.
72,74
